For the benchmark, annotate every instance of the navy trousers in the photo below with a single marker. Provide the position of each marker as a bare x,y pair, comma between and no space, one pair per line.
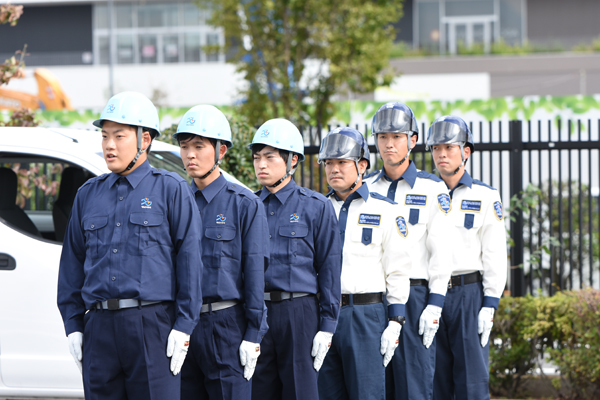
212,368
285,367
125,354
462,365
353,368
410,373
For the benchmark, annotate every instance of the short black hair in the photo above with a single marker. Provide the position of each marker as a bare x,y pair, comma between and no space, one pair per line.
185,137
282,153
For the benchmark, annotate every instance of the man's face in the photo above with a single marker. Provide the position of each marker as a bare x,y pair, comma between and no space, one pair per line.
269,167
393,146
447,157
198,155
119,145
341,174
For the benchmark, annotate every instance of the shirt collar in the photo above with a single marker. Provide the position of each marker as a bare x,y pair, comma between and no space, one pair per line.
465,180
212,189
134,177
362,191
282,194
410,175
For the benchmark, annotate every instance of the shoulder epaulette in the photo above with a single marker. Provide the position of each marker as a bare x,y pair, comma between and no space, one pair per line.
174,175
478,182
378,196
312,194
239,189
377,171
92,180
428,175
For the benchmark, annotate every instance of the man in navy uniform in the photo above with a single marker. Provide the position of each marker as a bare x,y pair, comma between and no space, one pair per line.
305,261
226,343
129,287
479,275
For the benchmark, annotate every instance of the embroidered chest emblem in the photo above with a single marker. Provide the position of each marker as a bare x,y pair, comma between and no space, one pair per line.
221,219
294,217
146,203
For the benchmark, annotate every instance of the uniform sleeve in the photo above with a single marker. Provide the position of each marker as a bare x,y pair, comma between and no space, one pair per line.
71,274
328,264
493,253
397,264
186,225
255,249
439,244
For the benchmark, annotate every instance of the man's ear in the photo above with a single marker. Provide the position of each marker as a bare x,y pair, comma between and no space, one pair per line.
467,150
222,151
362,166
146,139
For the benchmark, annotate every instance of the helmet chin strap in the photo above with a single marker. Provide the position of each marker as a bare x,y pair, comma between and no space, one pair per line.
355,182
217,160
288,170
140,134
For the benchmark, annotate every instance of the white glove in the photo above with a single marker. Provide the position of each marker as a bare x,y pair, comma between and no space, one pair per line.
321,345
177,348
389,341
249,353
485,323
76,347
429,323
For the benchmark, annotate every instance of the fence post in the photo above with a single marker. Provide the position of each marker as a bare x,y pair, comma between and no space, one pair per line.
517,277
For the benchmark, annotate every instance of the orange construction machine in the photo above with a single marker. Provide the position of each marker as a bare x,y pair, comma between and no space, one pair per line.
50,95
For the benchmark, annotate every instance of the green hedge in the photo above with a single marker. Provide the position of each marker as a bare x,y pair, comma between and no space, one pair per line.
564,329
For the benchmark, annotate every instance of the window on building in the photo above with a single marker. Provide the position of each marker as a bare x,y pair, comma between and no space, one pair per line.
168,32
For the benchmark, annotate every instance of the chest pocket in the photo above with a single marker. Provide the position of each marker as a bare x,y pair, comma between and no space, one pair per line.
366,240
216,244
468,224
295,235
417,220
96,236
146,232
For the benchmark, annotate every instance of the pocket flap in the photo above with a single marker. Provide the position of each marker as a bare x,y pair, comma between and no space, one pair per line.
293,231
94,223
220,232
146,219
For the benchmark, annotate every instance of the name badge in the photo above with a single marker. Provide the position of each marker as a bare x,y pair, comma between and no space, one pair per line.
471,205
416,200
369,219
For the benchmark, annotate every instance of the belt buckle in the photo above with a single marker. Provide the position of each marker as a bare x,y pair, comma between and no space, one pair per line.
450,283
112,304
275,296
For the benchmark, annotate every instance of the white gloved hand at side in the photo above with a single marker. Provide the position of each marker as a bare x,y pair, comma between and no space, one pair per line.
485,323
429,323
76,348
249,353
177,348
389,341
321,345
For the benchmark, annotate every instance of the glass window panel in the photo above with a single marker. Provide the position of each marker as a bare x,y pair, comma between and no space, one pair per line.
171,48
511,21
171,15
191,15
429,25
101,17
478,33
103,49
191,45
147,48
125,50
212,39
124,16
150,15
469,7
461,34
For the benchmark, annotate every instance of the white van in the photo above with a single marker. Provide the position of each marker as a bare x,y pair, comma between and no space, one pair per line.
50,164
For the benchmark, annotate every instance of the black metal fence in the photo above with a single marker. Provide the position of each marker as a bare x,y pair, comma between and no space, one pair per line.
548,175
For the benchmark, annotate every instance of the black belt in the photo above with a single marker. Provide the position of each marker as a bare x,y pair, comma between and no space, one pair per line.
419,282
118,304
362,298
280,296
465,279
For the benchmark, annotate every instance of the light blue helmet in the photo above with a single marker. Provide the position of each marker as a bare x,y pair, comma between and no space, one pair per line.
206,121
281,134
131,108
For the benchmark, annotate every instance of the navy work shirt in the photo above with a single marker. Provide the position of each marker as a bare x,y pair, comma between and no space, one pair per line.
235,250
132,237
305,247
